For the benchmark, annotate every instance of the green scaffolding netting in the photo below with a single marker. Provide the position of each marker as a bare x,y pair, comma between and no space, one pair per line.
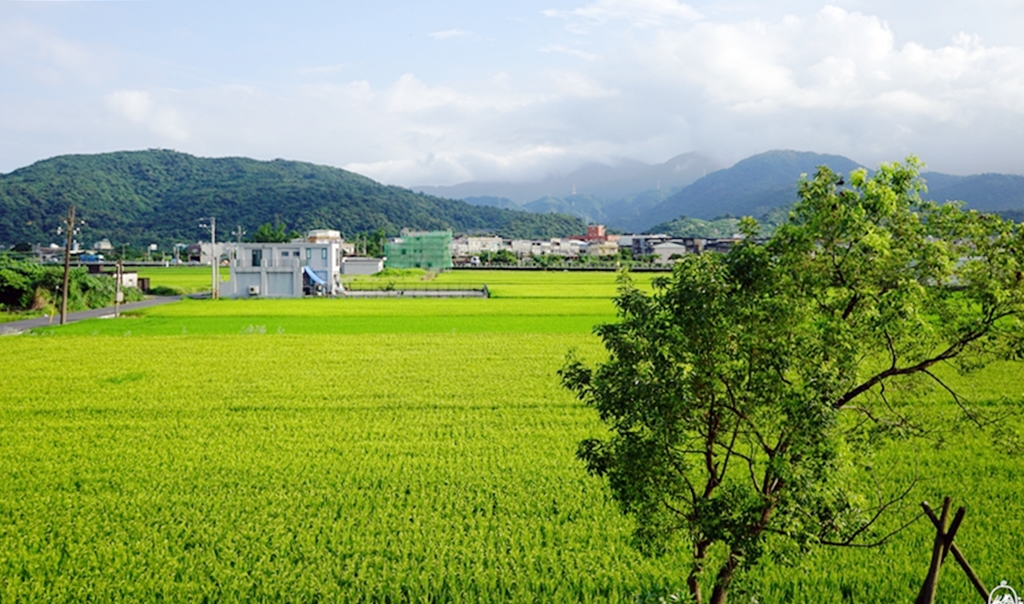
430,251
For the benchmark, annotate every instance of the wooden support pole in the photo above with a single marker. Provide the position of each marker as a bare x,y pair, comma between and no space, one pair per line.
958,555
931,581
951,533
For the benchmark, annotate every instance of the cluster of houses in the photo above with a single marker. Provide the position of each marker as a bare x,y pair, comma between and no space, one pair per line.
316,263
657,249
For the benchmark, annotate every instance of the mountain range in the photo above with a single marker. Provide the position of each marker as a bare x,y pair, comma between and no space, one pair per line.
161,196
621,179
756,186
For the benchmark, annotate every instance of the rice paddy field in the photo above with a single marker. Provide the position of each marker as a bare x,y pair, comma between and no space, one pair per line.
393,450
183,279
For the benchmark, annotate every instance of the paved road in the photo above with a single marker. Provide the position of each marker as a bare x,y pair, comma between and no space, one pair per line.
19,326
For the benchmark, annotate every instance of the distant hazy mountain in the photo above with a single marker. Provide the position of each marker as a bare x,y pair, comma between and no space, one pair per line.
160,196
990,192
624,179
587,207
760,184
752,187
622,196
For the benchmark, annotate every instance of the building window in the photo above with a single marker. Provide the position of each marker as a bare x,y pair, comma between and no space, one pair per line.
257,257
323,253
309,253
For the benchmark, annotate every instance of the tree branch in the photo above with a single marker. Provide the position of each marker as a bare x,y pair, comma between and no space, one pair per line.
950,352
956,397
878,513
881,541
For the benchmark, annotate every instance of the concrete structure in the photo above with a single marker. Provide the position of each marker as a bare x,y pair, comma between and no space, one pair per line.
128,278
643,245
357,265
722,244
284,270
603,248
348,248
200,252
472,246
664,251
322,236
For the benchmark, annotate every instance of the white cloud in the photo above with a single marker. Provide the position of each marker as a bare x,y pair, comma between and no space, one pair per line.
138,107
454,167
655,78
835,60
48,58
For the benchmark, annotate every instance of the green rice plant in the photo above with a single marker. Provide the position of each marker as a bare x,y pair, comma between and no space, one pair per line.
530,284
181,279
308,469
397,451
323,316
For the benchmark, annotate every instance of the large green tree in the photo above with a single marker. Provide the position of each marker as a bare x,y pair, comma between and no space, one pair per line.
274,233
726,388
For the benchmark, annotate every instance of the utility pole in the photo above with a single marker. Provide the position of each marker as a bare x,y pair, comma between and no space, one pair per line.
70,224
214,259
118,296
238,249
214,272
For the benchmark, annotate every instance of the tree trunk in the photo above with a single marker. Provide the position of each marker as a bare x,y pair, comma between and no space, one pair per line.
693,581
723,580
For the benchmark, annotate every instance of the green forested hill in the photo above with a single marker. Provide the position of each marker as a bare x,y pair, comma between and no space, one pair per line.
161,196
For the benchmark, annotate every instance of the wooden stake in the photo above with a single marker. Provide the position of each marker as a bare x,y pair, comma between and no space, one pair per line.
931,581
958,555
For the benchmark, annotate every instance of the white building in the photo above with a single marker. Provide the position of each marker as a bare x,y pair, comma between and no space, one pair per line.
472,246
225,250
323,236
570,248
284,270
603,248
358,265
664,251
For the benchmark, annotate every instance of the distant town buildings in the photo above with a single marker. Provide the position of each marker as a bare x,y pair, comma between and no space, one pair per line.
315,264
596,243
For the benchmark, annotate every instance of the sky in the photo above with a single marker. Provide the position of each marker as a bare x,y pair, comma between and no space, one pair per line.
442,92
